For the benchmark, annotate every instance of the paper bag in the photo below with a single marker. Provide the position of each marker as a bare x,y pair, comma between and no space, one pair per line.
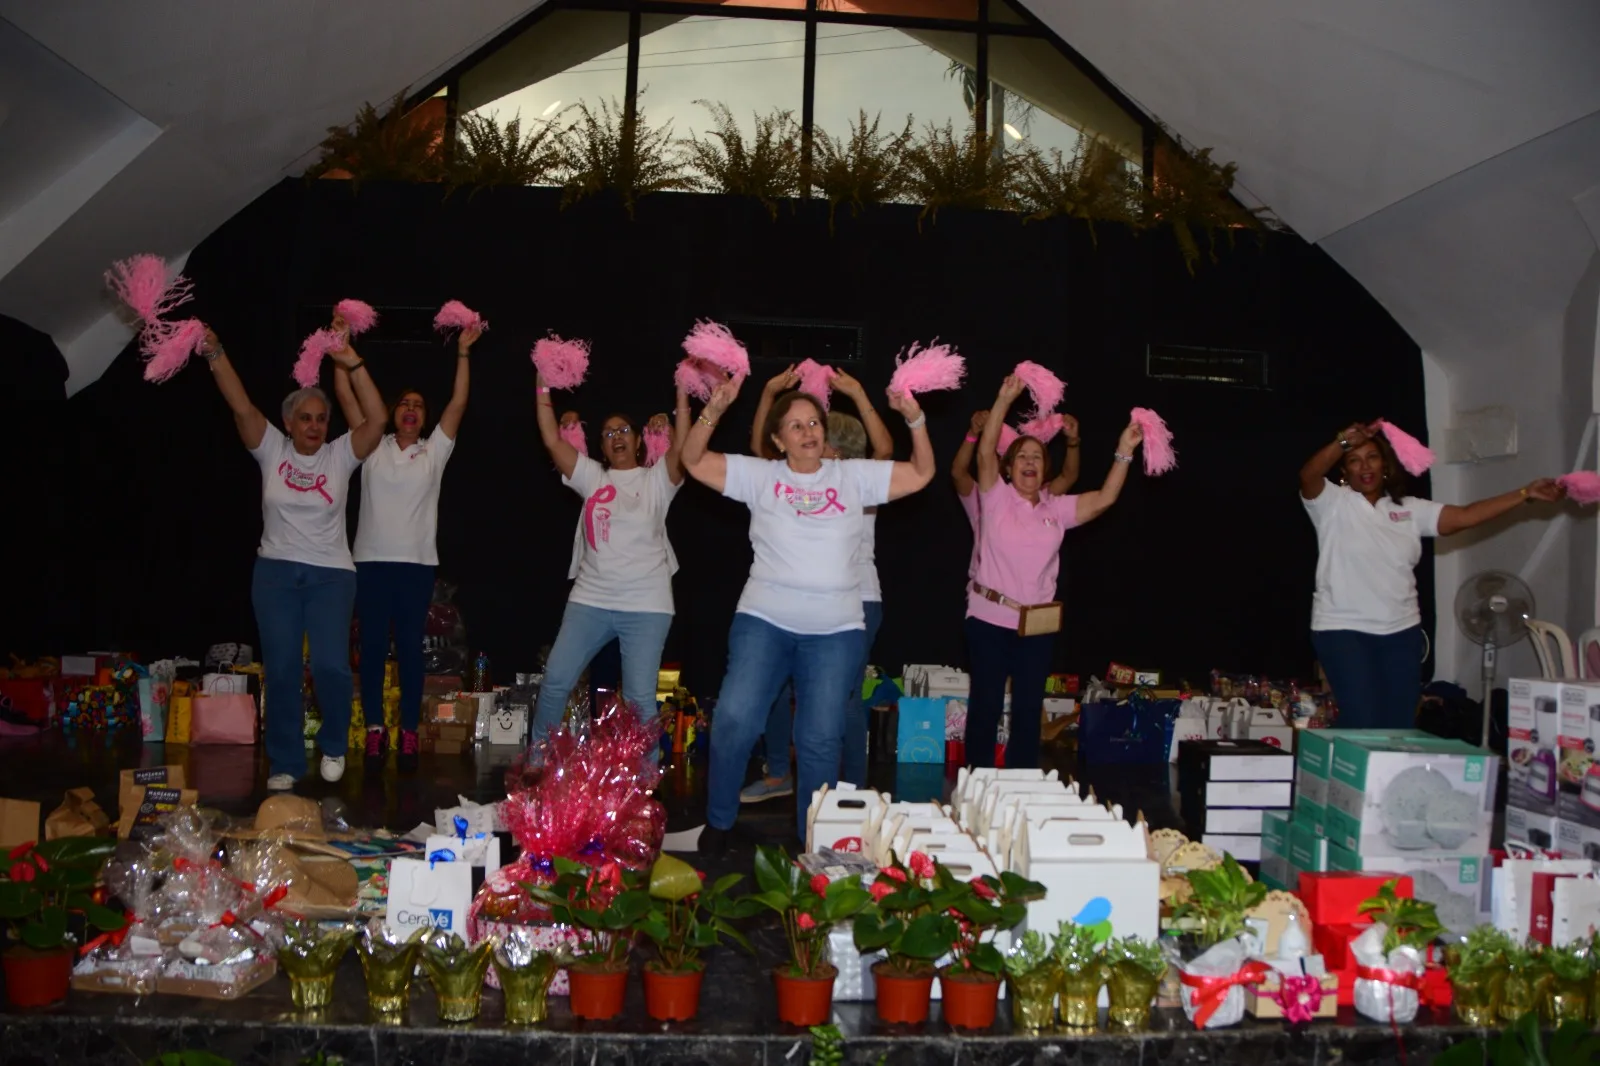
482,850
426,894
141,817
179,711
223,718
78,816
921,738
481,817
170,776
19,823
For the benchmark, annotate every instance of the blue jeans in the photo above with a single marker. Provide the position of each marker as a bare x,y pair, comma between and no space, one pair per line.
395,594
584,631
997,653
295,602
1377,680
761,657
780,720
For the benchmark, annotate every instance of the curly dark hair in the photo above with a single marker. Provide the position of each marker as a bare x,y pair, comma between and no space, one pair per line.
1396,482
778,412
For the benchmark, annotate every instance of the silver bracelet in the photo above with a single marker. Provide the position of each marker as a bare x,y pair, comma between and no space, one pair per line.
921,421
1118,457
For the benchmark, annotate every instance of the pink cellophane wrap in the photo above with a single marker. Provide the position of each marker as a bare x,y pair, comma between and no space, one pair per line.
1414,455
357,314
1583,486
457,315
714,343
563,363
573,433
1159,456
657,442
816,380
931,369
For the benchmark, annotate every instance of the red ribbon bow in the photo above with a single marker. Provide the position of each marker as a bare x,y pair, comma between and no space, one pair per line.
114,938
1210,991
1299,998
1398,978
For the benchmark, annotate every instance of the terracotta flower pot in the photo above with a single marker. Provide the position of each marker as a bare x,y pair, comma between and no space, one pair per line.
596,994
804,1001
672,997
969,1000
901,999
37,978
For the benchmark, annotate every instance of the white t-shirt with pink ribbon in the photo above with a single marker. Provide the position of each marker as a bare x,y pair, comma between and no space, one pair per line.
807,531
621,556
302,500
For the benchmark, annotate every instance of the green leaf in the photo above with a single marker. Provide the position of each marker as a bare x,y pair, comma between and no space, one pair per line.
732,934
629,907
88,852
673,879
844,902
1019,888
927,937
722,884
987,957
873,931
104,918
772,870
655,927
50,931
777,901
18,899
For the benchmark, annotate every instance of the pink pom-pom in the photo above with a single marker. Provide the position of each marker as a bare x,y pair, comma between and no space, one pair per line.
315,348
357,315
562,363
168,346
932,369
1008,437
1414,455
715,344
141,283
573,433
457,315
816,380
1045,388
1158,454
1043,428
657,443
1583,486
698,378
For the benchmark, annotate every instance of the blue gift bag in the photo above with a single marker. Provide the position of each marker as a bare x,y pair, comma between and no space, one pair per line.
921,737
1134,731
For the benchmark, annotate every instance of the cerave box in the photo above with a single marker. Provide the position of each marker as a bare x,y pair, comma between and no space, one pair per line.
1394,795
1533,721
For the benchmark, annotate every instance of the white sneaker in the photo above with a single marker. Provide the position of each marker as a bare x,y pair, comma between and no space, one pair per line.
332,769
280,782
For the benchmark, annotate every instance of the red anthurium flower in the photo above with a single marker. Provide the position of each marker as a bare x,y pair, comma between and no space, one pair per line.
880,889
23,871
894,872
38,859
982,890
20,850
819,884
806,922
921,865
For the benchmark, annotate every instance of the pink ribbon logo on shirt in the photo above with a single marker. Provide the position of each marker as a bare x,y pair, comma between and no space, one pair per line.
809,502
603,495
301,481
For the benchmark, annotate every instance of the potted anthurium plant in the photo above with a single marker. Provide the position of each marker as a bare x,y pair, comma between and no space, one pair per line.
969,986
604,904
685,917
1477,970
910,920
809,908
1034,978
1214,966
1134,969
43,884
1391,954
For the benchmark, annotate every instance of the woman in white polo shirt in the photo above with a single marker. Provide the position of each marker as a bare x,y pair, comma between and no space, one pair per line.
396,548
801,614
1366,625
622,561
305,582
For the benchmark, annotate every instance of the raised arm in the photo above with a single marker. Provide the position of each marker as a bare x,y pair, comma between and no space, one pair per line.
365,437
1063,482
450,420
988,458
681,421
349,406
961,469
914,476
877,432
564,454
1092,505
247,418
784,379
1454,519
704,465
1314,475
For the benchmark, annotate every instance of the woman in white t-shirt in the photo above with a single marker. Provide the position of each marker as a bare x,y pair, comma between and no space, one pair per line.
800,616
305,582
1366,625
622,562
396,547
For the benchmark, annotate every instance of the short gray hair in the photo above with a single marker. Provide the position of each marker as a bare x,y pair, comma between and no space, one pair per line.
847,436
292,402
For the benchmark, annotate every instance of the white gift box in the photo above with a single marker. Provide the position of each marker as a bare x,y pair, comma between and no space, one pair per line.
480,817
1511,901
838,817
978,793
1189,725
508,724
1013,815
970,780
1092,872
1000,790
1574,909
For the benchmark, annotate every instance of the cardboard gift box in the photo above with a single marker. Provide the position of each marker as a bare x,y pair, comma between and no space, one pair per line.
78,816
1335,897
19,823
142,817
1258,1001
1387,796
129,781
444,738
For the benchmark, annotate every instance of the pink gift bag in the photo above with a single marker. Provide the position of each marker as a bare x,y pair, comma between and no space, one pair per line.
226,718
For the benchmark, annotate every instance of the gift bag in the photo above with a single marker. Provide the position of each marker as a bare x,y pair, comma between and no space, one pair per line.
19,823
1133,731
921,735
78,816
424,894
228,718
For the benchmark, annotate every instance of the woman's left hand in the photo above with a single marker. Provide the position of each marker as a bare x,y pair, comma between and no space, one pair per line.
905,404
1130,439
466,340
848,385
1546,488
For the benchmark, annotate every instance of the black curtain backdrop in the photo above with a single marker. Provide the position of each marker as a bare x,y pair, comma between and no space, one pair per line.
158,507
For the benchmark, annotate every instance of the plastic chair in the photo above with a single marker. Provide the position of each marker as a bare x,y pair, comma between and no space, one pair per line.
1554,650
1589,653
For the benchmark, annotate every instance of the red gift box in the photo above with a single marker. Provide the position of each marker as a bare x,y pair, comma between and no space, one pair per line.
33,697
1332,942
1336,897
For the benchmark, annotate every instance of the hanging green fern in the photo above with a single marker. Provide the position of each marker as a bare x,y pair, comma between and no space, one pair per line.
1095,184
861,168
766,166
396,145
491,153
943,170
607,150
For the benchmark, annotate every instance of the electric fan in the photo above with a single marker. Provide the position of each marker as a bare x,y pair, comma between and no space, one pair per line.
1492,609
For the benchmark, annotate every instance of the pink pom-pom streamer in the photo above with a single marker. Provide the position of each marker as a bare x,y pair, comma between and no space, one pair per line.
168,346
1008,437
932,369
1158,454
1046,389
1583,486
563,363
457,315
357,315
315,348
715,344
657,443
573,433
1042,428
141,282
698,378
1414,455
816,380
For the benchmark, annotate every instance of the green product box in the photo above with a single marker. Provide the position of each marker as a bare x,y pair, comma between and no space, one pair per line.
1275,833
1416,794
1308,850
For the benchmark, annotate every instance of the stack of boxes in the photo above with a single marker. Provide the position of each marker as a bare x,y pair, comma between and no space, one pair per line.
1228,786
1578,771
1533,754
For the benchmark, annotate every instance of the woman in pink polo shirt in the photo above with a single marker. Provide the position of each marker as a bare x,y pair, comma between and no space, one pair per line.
1020,525
967,485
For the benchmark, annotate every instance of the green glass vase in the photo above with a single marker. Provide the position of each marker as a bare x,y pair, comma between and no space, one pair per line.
388,963
456,972
525,975
1033,997
310,956
1477,998
1080,997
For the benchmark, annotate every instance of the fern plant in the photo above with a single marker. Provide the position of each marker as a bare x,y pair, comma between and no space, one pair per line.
395,145
860,168
607,149
943,170
1193,195
1094,184
491,153
765,166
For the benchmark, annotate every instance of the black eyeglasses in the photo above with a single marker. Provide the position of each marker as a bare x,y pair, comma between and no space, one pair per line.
620,431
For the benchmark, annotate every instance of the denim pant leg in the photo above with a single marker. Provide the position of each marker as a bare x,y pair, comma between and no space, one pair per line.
780,730
1348,659
584,631
760,659
414,595
1399,657
1029,670
853,764
642,635
822,667
330,597
280,620
374,606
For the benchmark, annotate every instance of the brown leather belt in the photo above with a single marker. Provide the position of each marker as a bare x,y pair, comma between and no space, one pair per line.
996,597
